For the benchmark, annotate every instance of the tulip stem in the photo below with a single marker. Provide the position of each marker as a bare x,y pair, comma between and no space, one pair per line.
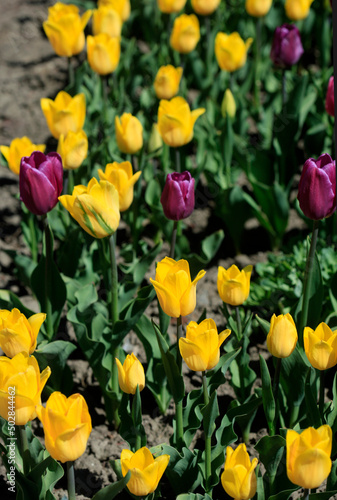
306,494
275,392
257,83
307,282
179,335
284,88
24,448
178,160
238,323
179,404
71,481
47,283
173,238
70,186
71,74
321,394
33,242
208,447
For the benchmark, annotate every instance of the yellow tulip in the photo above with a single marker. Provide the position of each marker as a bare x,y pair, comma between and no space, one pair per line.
95,207
185,33
120,175
258,8
234,285
123,7
205,7
130,374
17,333
167,81
308,456
228,105
297,9
66,424
201,347
73,149
155,141
321,346
103,53
106,20
18,148
176,121
65,29
146,471
282,336
64,114
231,51
129,133
175,290
239,479
20,377
171,6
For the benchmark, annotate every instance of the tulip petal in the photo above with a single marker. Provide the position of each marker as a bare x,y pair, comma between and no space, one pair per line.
232,480
71,444
167,300
195,358
311,468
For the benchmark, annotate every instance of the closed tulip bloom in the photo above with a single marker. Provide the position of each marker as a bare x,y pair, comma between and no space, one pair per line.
41,181
176,121
234,285
320,346
64,114
258,8
205,7
228,105
66,424
231,51
282,336
239,479
95,207
185,33
175,290
308,456
297,9
18,333
177,197
155,141
287,47
171,6
65,29
73,149
18,148
23,373
103,53
146,471
123,7
130,374
129,133
106,20
329,100
121,176
317,188
167,81
201,347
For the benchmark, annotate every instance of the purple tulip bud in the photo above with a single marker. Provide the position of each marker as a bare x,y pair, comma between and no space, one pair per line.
178,196
41,181
287,46
330,98
317,188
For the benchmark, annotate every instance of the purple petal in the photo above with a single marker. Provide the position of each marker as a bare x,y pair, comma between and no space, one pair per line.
36,191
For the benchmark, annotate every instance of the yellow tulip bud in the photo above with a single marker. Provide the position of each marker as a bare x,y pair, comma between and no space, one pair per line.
228,106
95,207
167,81
176,121
175,290
258,8
201,347
155,141
234,285
171,6
73,149
120,175
239,479
321,346
185,33
297,9
18,148
123,7
308,456
129,133
103,53
106,20
21,379
130,374
146,471
17,333
205,7
64,114
66,424
231,51
282,336
65,29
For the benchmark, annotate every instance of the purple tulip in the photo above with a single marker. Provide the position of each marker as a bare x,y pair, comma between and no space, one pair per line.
317,188
178,196
287,46
330,98
41,181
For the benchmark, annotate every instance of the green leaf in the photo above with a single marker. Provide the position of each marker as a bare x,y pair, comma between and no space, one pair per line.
182,471
55,355
267,394
284,495
193,496
112,490
270,449
210,412
311,399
